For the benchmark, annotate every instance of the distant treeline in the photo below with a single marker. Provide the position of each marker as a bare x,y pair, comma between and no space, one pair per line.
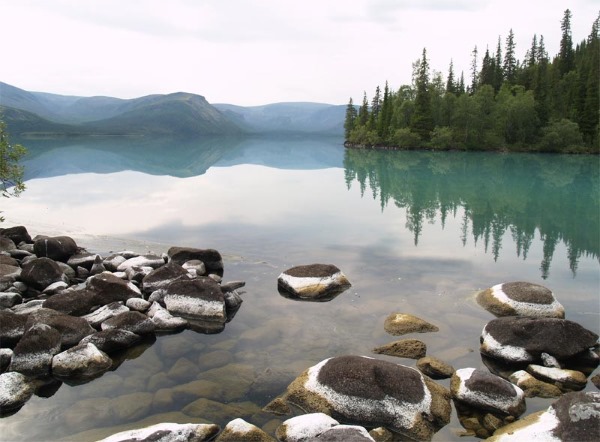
537,104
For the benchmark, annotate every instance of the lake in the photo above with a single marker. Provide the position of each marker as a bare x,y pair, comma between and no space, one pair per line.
415,232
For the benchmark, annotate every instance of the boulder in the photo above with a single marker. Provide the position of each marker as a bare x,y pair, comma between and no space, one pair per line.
138,304
142,261
8,260
516,339
404,348
533,387
520,299
313,282
97,266
6,244
97,317
112,262
41,272
110,288
305,427
112,340
568,379
161,277
59,248
372,393
33,354
165,321
435,368
72,329
573,417
134,322
15,390
402,323
82,259
194,267
345,433
10,299
167,432
26,308
77,302
197,299
238,430
81,361
484,390
5,357
210,257
8,274
17,234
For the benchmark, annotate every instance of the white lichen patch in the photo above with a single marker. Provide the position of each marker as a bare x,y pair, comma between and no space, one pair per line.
552,310
477,397
174,432
538,431
492,347
306,426
557,374
309,284
195,308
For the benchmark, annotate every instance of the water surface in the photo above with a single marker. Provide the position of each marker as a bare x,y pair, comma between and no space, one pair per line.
415,232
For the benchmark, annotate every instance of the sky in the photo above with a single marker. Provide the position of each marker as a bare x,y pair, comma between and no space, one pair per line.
254,52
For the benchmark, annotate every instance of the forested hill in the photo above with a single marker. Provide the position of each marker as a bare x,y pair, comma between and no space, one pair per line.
540,103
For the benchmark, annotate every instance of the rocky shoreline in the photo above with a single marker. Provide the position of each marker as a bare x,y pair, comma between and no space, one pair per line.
69,316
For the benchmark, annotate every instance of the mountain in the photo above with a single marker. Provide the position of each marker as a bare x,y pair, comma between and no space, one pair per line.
288,117
178,114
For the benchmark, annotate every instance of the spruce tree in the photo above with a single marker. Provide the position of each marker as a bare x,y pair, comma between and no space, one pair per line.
350,120
510,59
422,120
450,82
363,112
474,72
566,56
498,71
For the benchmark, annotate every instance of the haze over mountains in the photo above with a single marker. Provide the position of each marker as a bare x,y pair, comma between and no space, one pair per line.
35,114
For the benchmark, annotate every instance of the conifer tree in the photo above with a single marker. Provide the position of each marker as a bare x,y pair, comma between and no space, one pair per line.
451,83
474,72
566,55
510,59
422,120
486,76
350,120
498,71
363,111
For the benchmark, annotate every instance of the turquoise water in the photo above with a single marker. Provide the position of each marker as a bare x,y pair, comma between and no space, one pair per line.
415,232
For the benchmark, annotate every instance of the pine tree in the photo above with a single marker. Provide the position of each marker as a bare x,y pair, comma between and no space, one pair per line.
363,112
498,71
590,114
422,120
375,107
385,116
566,56
486,76
510,60
450,82
461,84
350,120
474,72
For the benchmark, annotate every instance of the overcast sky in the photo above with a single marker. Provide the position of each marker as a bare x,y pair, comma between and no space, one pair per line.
252,52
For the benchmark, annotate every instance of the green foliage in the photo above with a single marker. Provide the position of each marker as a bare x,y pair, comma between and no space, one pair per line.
11,173
508,105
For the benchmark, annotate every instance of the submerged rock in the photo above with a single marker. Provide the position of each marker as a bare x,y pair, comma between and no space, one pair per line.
404,348
197,299
402,323
520,299
15,390
435,368
313,282
81,361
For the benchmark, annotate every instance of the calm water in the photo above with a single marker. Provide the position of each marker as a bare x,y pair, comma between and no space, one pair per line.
415,232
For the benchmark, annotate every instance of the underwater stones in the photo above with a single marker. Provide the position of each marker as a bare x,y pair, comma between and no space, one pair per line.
33,354
40,273
58,248
522,339
196,299
404,348
520,299
402,323
112,340
15,390
168,432
316,282
575,416
210,257
238,430
373,392
435,368
81,361
484,390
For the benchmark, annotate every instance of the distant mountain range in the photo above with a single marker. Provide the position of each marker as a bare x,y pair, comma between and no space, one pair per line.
41,114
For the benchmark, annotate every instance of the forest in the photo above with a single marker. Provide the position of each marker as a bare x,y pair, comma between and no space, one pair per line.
538,104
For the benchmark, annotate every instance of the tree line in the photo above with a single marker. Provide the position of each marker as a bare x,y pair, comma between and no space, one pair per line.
536,104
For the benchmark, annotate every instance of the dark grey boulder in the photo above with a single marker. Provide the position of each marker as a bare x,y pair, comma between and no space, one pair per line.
5,357
105,312
134,322
110,288
17,234
522,339
59,248
112,340
15,390
372,393
198,299
6,244
211,258
12,328
97,266
10,299
573,417
304,427
345,433
520,299
313,282
34,352
81,361
167,432
161,277
486,391
72,329
8,260
82,259
41,272
77,302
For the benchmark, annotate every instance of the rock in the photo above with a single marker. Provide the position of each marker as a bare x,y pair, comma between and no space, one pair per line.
141,261
34,352
28,307
12,328
402,323
134,322
278,406
520,299
573,417
596,380
534,387
233,302
138,304
7,244
15,390
82,259
10,299
522,339
345,433
8,275
210,257
112,340
77,302
161,277
198,299
81,361
238,430
165,322
314,282
58,248
17,234
72,329
373,393
486,391
54,288
232,286
97,266
40,273
569,379
109,288
404,348
305,427
435,368
97,317
112,262
5,357
194,267
167,432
